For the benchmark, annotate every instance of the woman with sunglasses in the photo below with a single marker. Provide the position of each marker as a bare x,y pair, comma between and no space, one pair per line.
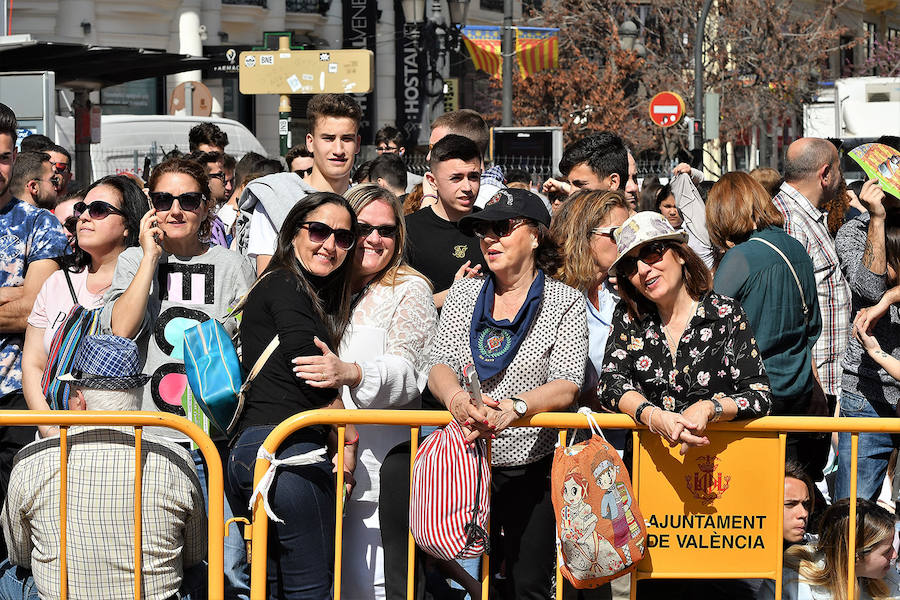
303,297
819,571
107,221
381,365
526,335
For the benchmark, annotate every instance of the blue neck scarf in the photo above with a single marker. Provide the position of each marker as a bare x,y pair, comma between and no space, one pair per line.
495,343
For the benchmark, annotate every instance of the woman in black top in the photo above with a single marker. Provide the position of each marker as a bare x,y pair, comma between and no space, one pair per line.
303,295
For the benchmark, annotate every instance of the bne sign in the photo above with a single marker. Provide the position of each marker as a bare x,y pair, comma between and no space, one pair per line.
714,512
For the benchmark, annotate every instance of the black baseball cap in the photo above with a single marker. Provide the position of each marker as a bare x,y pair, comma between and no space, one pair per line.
509,203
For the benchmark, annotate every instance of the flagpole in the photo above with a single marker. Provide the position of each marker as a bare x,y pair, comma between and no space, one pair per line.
506,51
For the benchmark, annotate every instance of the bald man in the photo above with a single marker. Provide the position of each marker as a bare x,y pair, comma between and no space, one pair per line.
812,179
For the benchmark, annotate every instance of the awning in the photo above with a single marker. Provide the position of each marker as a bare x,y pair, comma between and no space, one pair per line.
87,66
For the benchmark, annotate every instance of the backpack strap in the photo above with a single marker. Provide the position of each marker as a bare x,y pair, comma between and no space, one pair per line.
474,532
71,287
793,272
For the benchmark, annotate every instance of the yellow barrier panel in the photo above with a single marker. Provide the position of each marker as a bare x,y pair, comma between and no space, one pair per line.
138,420
772,565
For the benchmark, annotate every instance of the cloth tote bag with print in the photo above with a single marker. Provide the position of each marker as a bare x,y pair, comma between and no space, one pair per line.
449,504
600,528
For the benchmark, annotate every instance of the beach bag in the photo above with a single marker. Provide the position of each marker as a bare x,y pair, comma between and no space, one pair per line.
600,528
214,372
449,504
80,322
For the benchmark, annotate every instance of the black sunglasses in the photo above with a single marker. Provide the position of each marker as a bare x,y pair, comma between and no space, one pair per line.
320,232
220,176
303,172
499,229
187,201
385,231
650,254
98,209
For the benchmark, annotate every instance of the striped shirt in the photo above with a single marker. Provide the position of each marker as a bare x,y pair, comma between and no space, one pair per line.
100,514
807,224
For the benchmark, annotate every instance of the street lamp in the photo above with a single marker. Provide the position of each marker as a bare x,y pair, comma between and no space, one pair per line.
628,33
413,10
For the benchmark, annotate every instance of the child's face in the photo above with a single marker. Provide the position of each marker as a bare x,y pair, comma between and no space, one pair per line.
572,492
605,479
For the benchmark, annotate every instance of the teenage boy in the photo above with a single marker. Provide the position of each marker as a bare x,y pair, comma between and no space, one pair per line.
437,248
334,141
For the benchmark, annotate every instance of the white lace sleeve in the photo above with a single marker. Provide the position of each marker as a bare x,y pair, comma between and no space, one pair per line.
398,377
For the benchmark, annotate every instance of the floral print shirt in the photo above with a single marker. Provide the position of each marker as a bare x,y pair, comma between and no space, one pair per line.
716,357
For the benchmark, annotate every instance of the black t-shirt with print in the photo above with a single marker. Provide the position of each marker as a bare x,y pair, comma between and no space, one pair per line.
437,248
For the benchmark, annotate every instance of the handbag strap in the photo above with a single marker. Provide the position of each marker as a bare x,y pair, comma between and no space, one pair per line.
474,532
71,287
261,361
239,305
793,272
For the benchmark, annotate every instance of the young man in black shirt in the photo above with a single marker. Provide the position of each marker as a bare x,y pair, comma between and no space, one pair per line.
437,248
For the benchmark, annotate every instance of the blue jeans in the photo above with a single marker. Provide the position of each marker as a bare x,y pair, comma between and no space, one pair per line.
300,558
237,571
874,450
17,583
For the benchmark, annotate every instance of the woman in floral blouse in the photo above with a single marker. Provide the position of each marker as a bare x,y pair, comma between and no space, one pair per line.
679,356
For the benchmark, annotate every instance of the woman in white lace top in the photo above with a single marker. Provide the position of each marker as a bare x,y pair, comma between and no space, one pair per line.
382,365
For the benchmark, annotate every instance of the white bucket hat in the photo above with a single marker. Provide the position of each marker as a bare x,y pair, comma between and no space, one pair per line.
641,228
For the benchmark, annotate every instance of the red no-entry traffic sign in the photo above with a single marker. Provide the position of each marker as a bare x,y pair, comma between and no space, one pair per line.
666,109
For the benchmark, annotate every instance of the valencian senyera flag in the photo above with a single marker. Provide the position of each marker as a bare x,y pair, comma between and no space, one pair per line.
537,48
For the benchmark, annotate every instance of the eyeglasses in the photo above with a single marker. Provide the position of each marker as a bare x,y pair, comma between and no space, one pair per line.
190,201
388,149
605,231
60,168
220,176
54,180
385,231
650,254
98,209
498,229
303,172
320,232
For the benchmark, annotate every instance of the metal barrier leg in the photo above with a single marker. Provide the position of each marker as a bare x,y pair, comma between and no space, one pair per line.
338,515
411,550
63,497
559,583
138,509
779,562
851,525
485,559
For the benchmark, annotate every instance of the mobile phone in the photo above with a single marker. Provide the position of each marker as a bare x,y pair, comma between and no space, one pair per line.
470,375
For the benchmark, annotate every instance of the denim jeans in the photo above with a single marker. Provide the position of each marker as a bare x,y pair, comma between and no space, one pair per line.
17,583
237,571
300,558
874,450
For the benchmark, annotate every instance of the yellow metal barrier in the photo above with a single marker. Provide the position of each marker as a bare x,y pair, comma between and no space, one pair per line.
138,420
562,421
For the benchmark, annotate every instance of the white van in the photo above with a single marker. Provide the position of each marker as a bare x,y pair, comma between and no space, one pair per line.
127,140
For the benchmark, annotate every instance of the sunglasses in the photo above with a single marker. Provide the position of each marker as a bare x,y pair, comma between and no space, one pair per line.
605,231
60,168
382,149
54,180
385,231
220,176
499,229
320,232
98,209
650,254
303,172
190,201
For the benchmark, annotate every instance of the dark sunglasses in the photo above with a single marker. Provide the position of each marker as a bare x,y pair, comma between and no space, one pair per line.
385,231
650,254
98,209
320,232
60,167
303,172
187,201
499,229
220,176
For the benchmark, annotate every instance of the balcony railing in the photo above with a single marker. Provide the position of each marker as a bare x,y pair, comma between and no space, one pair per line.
260,3
304,6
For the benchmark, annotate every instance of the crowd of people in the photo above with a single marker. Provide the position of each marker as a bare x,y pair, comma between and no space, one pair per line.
368,287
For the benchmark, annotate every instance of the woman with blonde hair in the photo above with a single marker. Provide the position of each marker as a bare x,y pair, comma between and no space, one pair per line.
771,275
584,228
819,571
380,364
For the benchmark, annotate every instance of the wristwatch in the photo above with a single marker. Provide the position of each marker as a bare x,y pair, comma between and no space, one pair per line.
717,407
520,406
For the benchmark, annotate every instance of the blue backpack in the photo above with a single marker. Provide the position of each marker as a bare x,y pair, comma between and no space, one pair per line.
214,371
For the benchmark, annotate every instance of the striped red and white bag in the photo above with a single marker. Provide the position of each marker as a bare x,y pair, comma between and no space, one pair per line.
449,504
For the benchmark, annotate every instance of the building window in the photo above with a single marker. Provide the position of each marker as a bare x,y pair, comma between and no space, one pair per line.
871,35
893,33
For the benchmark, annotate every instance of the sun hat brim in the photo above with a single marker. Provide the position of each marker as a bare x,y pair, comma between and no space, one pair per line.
677,236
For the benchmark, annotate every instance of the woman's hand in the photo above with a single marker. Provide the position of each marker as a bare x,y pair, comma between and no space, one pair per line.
473,420
502,414
150,235
466,271
868,342
350,451
677,427
698,413
326,371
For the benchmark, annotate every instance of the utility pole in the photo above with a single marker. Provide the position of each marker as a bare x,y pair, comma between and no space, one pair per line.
507,51
698,75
